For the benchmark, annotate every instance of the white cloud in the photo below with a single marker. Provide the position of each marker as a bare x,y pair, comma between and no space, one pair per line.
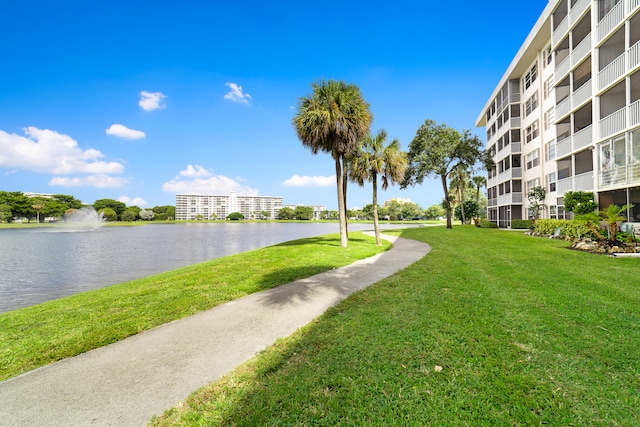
137,201
150,101
47,151
197,180
195,172
310,181
124,132
236,94
98,181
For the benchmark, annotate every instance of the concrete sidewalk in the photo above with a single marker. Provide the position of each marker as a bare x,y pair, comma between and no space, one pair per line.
126,383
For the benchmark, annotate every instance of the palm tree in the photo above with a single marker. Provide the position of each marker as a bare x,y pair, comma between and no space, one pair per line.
373,159
332,119
459,179
478,181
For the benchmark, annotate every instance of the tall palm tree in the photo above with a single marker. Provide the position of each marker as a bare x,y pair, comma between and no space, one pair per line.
459,179
373,159
478,181
332,119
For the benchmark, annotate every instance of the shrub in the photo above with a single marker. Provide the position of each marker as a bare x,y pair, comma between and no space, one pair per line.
487,224
521,223
547,226
577,229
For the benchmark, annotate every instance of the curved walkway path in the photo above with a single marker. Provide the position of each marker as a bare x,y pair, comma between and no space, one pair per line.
126,383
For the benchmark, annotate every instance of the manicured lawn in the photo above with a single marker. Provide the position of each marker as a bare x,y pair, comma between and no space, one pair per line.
492,328
35,336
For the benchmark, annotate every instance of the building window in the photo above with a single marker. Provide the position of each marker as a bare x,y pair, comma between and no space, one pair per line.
531,132
547,57
548,87
530,185
553,212
531,104
549,117
530,77
532,159
550,151
551,182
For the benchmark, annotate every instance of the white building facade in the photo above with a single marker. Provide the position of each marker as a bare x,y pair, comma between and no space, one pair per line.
566,113
205,207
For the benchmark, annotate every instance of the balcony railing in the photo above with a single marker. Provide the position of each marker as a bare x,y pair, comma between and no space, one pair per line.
492,202
563,148
582,182
633,55
581,50
582,138
611,72
613,123
634,113
562,69
563,108
632,4
611,20
577,10
582,94
560,31
509,174
510,199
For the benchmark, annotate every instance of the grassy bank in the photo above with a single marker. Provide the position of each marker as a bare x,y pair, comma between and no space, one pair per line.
491,328
38,335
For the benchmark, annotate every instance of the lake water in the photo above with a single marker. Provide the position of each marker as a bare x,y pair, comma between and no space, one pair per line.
38,265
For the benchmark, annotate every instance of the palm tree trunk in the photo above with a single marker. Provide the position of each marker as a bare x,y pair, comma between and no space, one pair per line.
342,213
345,174
461,198
447,202
376,227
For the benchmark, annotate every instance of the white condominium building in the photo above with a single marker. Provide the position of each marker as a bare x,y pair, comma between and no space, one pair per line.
566,113
199,206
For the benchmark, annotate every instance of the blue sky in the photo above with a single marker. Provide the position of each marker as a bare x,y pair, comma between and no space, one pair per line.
140,100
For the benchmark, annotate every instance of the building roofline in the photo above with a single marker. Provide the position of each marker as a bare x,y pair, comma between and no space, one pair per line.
538,38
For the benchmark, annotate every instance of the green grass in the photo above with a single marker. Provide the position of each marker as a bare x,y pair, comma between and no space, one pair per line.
526,331
35,336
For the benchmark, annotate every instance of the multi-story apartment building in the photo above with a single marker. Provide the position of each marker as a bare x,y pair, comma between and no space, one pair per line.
566,113
198,206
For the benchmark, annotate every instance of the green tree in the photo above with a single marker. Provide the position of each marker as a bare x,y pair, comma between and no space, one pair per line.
435,212
410,210
536,198
116,206
265,214
436,150
129,215
286,213
69,201
612,215
373,159
580,202
332,119
235,216
470,209
108,214
458,181
163,213
478,181
303,213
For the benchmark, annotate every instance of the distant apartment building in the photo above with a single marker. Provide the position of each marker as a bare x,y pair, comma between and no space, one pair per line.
396,199
199,206
566,113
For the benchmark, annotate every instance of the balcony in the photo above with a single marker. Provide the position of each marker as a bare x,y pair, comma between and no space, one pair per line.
634,113
582,182
510,199
563,148
492,202
560,31
562,69
579,97
633,56
611,72
611,20
632,4
509,174
620,175
613,123
581,50
577,10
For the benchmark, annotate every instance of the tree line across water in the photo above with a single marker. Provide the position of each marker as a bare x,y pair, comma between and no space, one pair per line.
16,206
